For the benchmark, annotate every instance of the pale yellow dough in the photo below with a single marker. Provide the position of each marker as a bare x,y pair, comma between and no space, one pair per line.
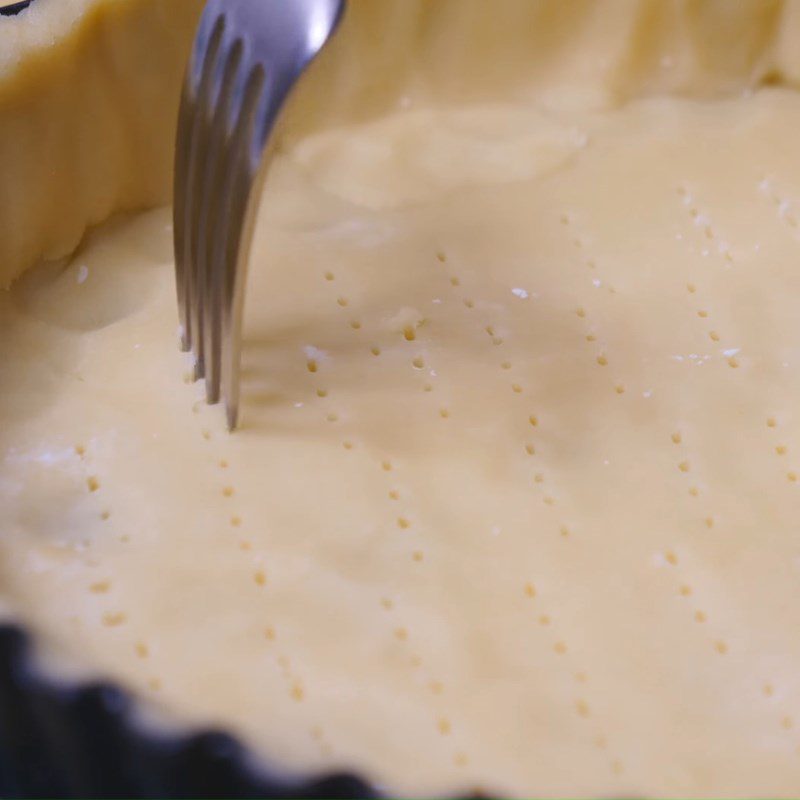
88,103
514,504
89,88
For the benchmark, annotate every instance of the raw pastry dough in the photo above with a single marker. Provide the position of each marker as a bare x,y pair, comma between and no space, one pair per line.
514,503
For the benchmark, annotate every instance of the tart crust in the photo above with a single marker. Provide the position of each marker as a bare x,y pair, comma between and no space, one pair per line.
88,101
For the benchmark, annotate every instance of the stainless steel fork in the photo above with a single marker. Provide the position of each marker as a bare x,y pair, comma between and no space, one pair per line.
247,56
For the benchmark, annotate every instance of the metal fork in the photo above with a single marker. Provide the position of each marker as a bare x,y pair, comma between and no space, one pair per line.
247,56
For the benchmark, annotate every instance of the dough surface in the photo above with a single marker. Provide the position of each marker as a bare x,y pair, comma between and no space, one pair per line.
88,103
514,501
89,88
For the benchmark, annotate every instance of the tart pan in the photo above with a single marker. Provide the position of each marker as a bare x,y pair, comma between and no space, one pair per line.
80,741
14,8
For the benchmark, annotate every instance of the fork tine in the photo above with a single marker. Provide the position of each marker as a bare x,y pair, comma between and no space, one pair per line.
179,200
243,205
195,88
211,153
262,102
213,86
214,216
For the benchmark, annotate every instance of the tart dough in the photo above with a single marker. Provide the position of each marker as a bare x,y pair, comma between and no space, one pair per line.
88,104
89,88
514,501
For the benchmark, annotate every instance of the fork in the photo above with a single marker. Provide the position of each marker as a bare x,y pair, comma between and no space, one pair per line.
246,58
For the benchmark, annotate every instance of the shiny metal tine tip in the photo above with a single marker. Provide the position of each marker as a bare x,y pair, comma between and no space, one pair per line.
179,199
194,86
222,152
240,204
189,162
198,200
